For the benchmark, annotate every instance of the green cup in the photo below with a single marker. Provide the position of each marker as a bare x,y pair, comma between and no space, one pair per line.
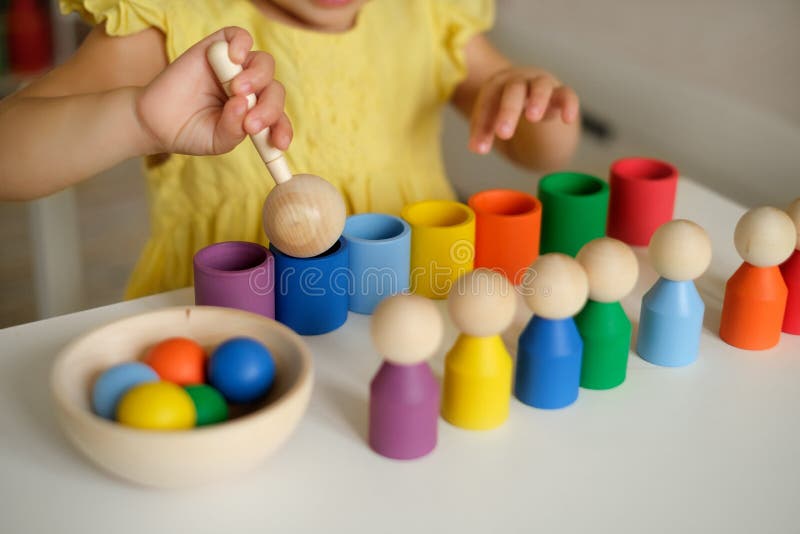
574,211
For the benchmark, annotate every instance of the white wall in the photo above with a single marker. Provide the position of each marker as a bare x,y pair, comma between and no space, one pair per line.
710,85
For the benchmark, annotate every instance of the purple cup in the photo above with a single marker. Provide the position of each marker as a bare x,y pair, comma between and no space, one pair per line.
235,274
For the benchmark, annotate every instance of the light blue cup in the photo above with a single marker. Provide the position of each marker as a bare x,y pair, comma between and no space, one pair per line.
380,255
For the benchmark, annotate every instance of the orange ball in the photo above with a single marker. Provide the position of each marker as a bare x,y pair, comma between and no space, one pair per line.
178,360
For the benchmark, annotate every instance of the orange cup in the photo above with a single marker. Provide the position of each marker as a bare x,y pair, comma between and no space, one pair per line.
507,228
752,312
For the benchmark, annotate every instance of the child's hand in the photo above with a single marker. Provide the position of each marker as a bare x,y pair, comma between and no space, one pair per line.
184,109
512,92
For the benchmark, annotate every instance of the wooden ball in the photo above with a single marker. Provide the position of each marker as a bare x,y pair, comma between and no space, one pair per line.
680,250
555,286
765,236
794,214
304,216
611,267
482,303
406,329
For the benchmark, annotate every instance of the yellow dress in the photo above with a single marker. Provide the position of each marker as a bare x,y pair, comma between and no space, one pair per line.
365,106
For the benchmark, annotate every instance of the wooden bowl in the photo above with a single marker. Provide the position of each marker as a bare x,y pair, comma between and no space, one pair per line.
189,457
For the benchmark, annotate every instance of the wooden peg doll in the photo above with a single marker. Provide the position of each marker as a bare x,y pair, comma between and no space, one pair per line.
671,319
478,369
612,269
404,395
550,349
755,296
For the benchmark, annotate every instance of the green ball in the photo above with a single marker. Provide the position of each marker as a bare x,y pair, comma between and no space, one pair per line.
209,404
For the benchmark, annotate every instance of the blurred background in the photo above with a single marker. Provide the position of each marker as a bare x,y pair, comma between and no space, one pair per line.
709,85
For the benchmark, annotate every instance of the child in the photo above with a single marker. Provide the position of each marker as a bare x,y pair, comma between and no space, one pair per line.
363,83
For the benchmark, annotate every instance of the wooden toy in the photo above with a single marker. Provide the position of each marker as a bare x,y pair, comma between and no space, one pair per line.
186,458
642,198
380,248
574,211
209,404
671,317
312,294
755,296
235,274
110,386
404,395
442,245
178,360
157,406
476,392
606,331
790,270
303,214
507,230
242,369
550,349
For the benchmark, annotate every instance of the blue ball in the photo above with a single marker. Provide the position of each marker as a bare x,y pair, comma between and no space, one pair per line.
242,369
112,385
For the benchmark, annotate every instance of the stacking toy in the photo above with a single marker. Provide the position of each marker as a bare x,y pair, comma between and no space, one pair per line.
574,211
235,274
303,214
209,404
179,360
791,276
157,406
404,394
380,248
312,294
507,231
242,369
642,198
550,348
478,369
756,295
442,245
110,386
671,319
612,269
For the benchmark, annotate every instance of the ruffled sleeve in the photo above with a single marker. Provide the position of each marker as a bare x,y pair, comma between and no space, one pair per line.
121,17
454,23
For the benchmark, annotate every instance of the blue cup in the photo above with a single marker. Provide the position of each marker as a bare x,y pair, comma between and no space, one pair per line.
380,256
311,294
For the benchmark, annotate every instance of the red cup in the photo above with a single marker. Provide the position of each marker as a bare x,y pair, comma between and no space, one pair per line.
642,198
507,228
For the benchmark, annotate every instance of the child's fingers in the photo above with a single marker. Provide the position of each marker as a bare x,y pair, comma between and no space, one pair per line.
267,110
482,120
258,70
281,133
229,132
512,100
539,98
239,43
565,99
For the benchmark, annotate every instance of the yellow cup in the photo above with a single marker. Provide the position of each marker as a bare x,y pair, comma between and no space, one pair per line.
442,245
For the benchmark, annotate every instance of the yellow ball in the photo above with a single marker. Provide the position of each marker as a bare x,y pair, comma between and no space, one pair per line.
157,406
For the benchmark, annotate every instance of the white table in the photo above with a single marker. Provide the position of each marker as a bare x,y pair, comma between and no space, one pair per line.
708,448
